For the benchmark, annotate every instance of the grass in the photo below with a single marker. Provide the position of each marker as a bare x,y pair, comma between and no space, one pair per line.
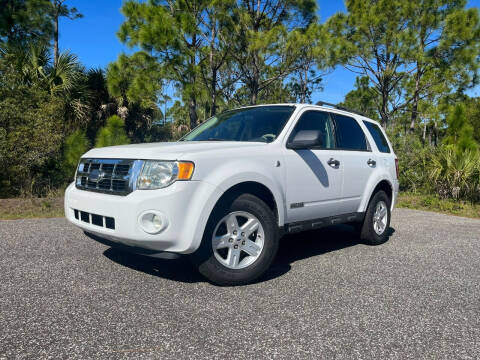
26,208
52,206
433,203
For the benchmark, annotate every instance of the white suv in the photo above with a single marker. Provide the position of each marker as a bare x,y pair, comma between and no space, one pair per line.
228,190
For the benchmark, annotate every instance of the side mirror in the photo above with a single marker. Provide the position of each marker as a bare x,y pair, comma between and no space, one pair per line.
305,139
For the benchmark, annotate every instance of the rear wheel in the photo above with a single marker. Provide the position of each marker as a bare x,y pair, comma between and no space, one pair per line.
239,243
375,226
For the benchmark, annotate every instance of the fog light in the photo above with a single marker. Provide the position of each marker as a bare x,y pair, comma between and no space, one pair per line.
152,222
157,222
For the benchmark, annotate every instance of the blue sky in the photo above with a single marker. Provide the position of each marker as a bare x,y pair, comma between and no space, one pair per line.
93,39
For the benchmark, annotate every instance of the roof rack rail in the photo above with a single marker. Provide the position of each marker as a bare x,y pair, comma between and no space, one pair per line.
323,103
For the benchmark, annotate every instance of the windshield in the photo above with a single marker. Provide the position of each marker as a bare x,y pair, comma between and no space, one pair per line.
262,123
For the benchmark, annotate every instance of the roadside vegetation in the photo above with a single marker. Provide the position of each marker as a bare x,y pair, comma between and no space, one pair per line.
415,62
434,203
27,208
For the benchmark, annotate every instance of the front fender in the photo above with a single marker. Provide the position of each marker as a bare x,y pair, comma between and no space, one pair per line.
248,171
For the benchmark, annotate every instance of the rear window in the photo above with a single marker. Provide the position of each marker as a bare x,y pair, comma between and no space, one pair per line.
378,137
349,134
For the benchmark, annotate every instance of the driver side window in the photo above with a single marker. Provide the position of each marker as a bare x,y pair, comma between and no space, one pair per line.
316,120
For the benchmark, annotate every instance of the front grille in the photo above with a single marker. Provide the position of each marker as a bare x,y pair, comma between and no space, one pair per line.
94,219
113,176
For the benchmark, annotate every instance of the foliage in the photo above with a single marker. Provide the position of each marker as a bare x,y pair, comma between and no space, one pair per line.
113,133
363,98
415,59
135,82
171,33
135,79
459,132
472,108
314,52
31,137
409,50
456,174
161,133
445,171
414,160
76,145
218,51
24,20
262,50
435,203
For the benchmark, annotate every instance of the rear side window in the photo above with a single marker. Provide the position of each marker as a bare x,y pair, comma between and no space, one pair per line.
378,137
316,120
349,134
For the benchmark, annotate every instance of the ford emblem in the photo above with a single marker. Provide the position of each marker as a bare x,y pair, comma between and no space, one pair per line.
96,175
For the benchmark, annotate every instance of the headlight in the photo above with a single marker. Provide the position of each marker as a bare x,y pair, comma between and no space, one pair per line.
160,174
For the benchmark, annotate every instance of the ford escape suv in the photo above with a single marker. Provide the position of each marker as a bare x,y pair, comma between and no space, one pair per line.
227,191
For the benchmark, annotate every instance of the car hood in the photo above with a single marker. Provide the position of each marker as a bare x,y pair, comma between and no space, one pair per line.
166,151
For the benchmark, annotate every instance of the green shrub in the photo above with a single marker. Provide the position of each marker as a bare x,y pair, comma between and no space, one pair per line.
75,146
414,160
455,174
160,133
113,133
459,132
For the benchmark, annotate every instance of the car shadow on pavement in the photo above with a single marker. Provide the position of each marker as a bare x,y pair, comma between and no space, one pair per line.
173,269
292,248
299,246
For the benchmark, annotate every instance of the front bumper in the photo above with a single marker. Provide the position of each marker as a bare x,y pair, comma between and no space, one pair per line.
181,203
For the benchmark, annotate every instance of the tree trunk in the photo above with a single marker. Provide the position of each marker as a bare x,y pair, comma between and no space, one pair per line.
55,41
254,94
255,82
384,111
424,135
192,106
213,83
304,81
416,96
413,118
165,112
213,107
192,110
430,130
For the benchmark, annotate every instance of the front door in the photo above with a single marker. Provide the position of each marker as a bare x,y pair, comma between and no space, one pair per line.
314,176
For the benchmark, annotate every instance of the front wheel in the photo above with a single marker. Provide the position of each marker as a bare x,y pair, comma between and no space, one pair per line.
375,226
240,242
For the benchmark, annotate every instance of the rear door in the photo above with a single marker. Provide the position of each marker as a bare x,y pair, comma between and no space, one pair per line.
385,153
314,176
358,159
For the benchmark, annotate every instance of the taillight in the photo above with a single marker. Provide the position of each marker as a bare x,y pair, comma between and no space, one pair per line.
396,166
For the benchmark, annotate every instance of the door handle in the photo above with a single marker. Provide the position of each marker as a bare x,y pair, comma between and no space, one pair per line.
371,162
333,163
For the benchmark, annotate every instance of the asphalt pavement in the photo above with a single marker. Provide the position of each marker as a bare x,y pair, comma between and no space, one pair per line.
63,295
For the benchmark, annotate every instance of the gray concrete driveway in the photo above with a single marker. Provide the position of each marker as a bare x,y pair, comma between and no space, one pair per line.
62,295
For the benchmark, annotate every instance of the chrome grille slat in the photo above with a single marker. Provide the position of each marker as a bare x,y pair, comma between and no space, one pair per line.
112,176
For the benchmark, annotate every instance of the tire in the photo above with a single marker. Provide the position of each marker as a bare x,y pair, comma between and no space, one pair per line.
229,265
374,230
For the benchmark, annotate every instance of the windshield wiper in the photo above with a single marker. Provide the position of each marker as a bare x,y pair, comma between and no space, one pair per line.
215,139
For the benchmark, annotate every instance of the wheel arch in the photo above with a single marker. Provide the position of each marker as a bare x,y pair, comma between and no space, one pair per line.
382,184
255,188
